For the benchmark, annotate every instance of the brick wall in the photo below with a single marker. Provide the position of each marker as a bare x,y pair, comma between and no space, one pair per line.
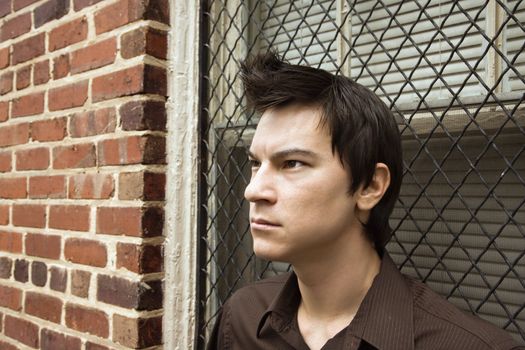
82,173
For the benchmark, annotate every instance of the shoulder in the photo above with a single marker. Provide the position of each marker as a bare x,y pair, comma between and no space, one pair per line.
258,295
241,313
438,321
248,304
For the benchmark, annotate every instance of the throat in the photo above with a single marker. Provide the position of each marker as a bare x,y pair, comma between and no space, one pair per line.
316,332
330,299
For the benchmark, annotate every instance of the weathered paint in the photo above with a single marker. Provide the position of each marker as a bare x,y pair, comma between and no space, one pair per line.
181,187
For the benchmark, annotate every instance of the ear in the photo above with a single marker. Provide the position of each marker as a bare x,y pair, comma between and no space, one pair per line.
368,197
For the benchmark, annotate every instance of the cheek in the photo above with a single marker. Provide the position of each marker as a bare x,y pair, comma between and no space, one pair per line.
333,205
314,203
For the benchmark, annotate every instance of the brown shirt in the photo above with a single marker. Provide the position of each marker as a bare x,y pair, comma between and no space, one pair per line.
397,313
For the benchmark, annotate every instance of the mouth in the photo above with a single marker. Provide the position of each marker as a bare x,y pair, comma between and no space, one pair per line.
262,224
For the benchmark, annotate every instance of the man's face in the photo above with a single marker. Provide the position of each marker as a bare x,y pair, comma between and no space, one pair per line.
299,202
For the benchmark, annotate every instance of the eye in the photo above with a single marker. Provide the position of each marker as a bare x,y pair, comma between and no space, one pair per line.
254,163
290,164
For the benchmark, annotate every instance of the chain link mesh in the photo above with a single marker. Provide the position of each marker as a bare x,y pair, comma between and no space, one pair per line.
453,74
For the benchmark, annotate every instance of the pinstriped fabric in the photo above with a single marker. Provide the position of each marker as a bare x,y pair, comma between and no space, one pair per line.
397,313
435,317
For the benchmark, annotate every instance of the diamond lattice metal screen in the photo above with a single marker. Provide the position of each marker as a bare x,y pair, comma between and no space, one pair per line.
453,72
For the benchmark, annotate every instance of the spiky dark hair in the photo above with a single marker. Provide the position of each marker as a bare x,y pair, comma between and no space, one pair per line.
363,129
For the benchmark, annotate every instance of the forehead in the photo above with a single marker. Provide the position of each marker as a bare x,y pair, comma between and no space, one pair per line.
291,126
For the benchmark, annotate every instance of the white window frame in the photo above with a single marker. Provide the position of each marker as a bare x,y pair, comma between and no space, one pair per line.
181,235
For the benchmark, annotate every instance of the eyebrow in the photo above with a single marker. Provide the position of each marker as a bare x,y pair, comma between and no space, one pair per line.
287,153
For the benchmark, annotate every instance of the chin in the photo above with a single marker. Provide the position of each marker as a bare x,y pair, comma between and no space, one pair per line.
267,252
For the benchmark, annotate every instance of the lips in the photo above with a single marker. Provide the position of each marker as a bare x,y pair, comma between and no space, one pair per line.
263,223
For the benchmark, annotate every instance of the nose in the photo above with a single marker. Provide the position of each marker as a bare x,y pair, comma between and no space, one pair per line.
261,186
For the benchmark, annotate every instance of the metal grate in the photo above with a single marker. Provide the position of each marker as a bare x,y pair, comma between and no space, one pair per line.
452,72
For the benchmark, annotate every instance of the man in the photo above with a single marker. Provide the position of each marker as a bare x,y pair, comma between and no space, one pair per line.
326,172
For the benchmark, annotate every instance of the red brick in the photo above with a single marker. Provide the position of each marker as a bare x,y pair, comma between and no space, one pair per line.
139,258
117,15
28,49
143,41
29,215
4,111
24,331
142,185
6,82
51,340
41,72
6,265
39,273
129,294
28,105
69,217
32,159
91,186
75,156
157,43
5,161
101,121
119,221
14,135
133,43
94,56
130,81
125,82
143,115
157,11
18,4
23,77
4,57
21,272
58,279
67,34
126,150
155,80
13,188
93,346
4,214
80,281
87,320
61,66
80,4
49,130
145,222
11,298
69,96
16,26
132,150
43,306
5,8
11,242
47,186
118,291
127,11
7,346
85,252
137,333
43,245
50,10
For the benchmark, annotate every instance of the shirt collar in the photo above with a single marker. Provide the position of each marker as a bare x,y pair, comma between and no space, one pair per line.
384,318
284,305
387,310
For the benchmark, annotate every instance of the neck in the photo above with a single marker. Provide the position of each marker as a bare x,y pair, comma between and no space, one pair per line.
333,286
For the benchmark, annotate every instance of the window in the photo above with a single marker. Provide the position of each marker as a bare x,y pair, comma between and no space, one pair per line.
452,72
